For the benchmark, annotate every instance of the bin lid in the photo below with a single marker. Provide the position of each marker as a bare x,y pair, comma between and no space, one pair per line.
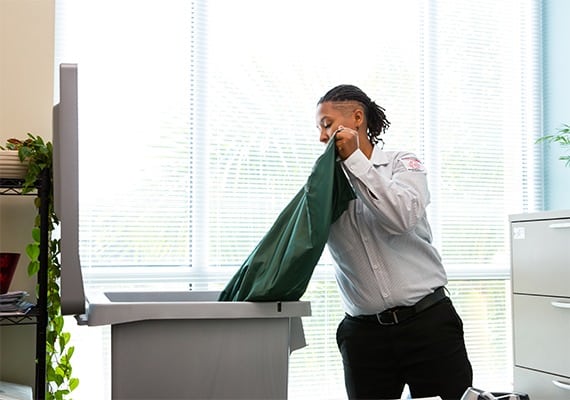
66,189
110,308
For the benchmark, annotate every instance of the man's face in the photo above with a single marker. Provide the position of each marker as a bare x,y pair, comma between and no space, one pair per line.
329,116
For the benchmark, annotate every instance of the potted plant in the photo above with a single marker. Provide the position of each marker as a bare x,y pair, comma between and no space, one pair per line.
38,155
563,138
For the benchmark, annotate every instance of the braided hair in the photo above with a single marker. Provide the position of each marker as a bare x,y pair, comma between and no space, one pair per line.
375,116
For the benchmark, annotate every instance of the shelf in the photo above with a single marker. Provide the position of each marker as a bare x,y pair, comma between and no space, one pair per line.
11,186
30,318
38,315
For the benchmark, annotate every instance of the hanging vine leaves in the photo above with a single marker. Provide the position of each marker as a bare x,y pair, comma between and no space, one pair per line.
38,155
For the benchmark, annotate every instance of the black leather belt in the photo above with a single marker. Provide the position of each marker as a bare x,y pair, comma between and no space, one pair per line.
396,315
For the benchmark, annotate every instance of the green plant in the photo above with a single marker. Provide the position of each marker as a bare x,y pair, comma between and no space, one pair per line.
39,156
563,138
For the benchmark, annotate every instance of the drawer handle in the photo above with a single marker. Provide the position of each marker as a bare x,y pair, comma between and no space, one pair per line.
559,225
560,304
561,385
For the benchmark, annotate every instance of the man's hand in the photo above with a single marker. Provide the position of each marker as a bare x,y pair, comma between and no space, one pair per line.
346,141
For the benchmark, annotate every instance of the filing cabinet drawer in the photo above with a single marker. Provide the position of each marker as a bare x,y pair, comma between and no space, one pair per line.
541,386
541,257
541,333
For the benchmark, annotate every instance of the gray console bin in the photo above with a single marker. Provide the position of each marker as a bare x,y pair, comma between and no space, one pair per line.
187,345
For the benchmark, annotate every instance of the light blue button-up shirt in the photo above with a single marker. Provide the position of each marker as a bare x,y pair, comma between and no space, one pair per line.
382,244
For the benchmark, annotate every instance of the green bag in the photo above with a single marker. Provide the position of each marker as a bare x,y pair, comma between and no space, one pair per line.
281,265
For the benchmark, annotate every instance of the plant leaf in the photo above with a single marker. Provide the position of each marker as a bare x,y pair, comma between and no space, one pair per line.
33,251
38,154
36,234
33,267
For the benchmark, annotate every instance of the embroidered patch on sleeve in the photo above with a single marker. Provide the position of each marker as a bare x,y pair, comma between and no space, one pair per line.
413,164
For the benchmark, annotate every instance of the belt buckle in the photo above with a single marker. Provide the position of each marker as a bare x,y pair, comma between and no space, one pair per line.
392,313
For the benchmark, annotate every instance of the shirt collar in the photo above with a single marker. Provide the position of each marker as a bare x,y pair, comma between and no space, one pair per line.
378,157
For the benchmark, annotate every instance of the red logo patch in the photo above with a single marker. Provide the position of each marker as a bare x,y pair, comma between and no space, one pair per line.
412,164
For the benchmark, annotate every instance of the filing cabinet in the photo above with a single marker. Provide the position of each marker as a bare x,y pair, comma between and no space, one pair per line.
540,271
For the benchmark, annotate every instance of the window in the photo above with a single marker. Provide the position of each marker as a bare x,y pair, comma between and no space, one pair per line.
197,127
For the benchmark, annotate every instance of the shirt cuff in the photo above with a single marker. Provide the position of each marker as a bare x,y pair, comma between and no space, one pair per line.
357,163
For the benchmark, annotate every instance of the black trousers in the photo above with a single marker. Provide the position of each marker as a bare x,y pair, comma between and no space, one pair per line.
427,352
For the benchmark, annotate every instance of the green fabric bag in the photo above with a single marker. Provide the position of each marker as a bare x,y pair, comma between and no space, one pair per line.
281,265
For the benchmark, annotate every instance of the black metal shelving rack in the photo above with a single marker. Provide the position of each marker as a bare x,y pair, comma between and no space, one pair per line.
38,315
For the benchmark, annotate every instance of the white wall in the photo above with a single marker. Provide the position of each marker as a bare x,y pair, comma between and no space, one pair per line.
26,100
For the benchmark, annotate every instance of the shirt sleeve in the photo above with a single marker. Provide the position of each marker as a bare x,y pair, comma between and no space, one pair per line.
397,193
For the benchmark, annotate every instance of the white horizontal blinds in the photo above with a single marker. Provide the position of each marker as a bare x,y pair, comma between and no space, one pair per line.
478,94
531,106
194,14
315,371
484,306
265,73
135,141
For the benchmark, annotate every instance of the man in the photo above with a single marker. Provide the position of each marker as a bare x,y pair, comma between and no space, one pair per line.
400,326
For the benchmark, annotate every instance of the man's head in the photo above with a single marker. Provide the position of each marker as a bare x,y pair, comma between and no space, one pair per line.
350,106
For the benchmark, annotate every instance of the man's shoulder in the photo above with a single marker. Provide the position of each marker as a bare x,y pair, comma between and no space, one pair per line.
406,159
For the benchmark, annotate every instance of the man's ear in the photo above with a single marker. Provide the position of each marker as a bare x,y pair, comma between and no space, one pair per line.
358,116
